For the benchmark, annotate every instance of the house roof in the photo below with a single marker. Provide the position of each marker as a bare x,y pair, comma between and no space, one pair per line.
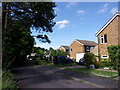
46,53
66,47
88,43
117,14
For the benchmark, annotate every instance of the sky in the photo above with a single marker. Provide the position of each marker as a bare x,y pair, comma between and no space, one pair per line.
78,20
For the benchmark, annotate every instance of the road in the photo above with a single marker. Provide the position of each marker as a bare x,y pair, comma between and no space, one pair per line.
38,77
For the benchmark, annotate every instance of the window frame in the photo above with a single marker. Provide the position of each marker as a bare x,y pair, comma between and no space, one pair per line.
71,50
89,47
103,39
103,56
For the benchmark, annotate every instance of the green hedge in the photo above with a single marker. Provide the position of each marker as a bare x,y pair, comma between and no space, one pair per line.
114,55
104,63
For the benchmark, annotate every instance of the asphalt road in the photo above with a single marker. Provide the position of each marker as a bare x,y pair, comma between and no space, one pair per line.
38,77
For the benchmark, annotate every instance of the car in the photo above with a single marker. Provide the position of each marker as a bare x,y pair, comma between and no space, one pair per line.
82,61
62,60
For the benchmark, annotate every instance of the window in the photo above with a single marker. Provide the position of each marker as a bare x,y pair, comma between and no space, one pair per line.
104,56
89,48
67,50
70,49
103,39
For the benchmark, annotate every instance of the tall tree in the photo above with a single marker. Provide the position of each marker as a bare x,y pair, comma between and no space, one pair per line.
18,18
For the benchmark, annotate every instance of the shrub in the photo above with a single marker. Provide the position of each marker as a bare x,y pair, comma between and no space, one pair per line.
97,64
114,55
90,59
104,63
8,82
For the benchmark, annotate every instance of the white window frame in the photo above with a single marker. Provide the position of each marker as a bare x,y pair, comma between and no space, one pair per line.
71,50
103,56
102,37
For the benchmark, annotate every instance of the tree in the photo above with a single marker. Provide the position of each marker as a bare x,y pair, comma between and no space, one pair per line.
18,19
57,52
40,51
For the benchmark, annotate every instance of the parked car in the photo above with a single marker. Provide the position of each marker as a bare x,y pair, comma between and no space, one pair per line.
62,60
82,61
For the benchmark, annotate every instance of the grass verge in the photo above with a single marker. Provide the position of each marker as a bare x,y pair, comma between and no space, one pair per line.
8,82
106,74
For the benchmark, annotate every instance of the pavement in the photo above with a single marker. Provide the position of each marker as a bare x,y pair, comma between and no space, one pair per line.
28,75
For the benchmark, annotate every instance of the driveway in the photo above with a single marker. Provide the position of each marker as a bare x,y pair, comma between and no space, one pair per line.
40,77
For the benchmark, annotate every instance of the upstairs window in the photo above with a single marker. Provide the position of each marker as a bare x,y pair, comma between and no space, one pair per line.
89,48
67,50
103,39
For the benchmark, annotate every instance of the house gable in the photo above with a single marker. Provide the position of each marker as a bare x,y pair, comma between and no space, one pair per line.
62,48
117,14
76,47
111,30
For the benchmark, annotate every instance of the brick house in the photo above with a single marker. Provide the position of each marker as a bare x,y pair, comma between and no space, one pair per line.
64,48
108,35
95,50
81,46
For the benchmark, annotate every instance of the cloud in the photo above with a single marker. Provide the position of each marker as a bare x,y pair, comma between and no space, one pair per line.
62,24
104,8
81,12
71,4
56,10
114,10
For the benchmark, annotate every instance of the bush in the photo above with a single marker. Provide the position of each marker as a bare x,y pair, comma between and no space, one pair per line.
97,64
114,55
104,64
90,58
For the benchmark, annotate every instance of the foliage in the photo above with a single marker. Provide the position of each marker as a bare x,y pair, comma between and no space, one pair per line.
19,19
89,59
43,62
57,52
97,64
17,44
35,15
8,82
104,63
40,52
50,63
114,55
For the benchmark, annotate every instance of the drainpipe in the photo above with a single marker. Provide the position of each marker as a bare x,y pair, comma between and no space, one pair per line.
98,49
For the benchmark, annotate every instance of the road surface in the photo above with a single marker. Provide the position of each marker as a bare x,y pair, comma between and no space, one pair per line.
38,77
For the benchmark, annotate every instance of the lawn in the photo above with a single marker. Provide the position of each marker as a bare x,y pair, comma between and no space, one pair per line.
106,74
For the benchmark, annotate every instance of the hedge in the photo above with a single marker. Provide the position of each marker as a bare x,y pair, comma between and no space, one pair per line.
114,55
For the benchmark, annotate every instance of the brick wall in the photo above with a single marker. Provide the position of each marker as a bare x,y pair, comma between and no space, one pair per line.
95,50
76,48
112,36
62,49
119,30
